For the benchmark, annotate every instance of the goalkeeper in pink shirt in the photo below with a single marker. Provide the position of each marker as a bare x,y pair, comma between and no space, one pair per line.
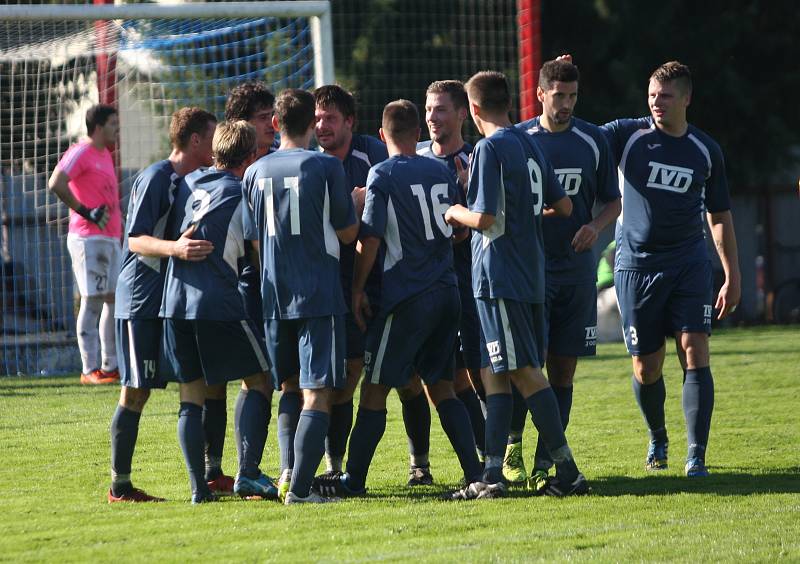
85,180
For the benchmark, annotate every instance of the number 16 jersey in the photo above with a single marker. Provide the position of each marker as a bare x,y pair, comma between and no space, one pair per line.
296,201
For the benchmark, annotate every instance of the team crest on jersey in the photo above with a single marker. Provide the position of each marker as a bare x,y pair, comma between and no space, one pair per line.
570,179
669,177
591,335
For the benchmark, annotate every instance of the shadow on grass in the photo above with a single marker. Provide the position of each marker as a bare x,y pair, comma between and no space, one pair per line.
783,480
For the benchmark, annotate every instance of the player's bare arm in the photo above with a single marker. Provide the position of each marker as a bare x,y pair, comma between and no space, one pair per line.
587,235
59,184
366,252
722,231
185,248
459,216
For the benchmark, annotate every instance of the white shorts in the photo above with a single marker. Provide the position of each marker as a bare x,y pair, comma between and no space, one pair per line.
95,263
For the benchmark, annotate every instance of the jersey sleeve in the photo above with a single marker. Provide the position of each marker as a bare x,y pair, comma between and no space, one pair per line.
607,183
73,161
342,212
376,203
151,196
484,180
377,152
612,133
717,197
249,225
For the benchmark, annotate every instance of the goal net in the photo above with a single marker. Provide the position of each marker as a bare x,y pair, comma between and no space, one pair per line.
148,60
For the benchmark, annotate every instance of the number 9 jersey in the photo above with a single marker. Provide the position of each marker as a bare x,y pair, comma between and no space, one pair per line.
296,200
511,179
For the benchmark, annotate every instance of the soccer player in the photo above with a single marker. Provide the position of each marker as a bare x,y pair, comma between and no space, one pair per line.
301,208
141,281
584,166
335,120
85,180
208,338
415,330
446,108
671,173
509,183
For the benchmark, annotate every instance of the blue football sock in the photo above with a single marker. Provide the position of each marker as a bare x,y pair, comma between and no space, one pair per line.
518,414
252,423
367,433
215,422
476,417
289,406
454,418
339,429
650,398
547,419
192,438
417,420
542,460
698,405
498,420
124,431
309,446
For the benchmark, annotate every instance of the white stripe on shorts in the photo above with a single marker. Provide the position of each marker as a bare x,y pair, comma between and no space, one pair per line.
508,338
333,348
133,359
256,349
376,370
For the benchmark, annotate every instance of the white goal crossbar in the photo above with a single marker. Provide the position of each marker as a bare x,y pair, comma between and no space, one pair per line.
318,12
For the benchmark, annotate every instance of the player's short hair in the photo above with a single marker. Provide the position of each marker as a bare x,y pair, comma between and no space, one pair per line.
334,96
97,116
234,142
187,121
455,88
490,91
557,71
294,110
246,99
674,71
400,120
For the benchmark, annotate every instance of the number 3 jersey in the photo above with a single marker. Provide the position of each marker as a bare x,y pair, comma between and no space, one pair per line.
666,183
210,200
407,197
511,179
586,170
296,200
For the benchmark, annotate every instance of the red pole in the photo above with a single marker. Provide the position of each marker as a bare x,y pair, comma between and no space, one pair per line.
530,56
106,62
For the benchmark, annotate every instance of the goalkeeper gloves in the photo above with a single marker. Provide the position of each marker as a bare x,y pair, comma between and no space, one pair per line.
98,215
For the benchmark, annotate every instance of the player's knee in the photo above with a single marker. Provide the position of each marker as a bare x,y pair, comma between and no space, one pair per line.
461,382
217,392
259,382
373,396
695,347
561,370
318,400
134,399
441,391
292,385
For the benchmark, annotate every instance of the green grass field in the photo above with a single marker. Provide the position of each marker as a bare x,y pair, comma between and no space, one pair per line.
54,475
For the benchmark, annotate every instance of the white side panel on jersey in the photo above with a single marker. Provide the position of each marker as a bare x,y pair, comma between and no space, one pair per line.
160,227
498,228
234,241
362,155
621,168
703,149
394,248
589,141
331,239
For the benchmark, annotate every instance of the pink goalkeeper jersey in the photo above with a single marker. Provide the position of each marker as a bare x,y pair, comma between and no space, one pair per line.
93,181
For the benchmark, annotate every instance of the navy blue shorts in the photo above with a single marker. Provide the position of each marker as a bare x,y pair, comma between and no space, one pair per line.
354,338
571,317
657,303
512,334
217,351
311,347
417,336
141,363
469,334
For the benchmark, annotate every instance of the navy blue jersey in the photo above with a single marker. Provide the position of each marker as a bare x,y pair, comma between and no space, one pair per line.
583,164
666,184
462,252
511,179
211,200
296,201
407,197
141,279
365,152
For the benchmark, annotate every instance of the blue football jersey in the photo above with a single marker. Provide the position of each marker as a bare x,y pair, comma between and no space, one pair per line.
296,201
407,197
211,200
583,164
511,179
462,252
666,184
365,152
141,279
